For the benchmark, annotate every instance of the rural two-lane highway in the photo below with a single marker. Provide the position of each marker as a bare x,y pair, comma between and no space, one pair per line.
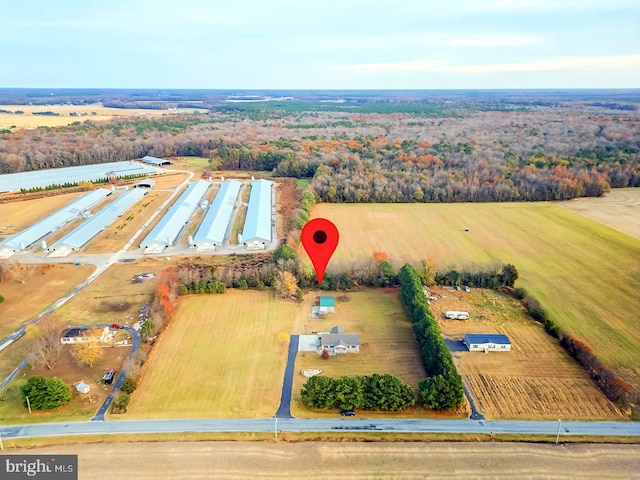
320,425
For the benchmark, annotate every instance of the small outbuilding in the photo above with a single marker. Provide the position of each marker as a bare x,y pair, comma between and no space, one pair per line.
157,162
146,183
82,387
486,342
74,335
327,305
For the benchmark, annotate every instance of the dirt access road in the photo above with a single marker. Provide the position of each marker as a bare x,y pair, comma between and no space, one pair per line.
311,460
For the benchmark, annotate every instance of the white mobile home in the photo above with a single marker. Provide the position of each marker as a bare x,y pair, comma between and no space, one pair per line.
486,342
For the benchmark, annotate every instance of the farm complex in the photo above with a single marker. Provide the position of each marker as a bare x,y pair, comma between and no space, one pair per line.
172,230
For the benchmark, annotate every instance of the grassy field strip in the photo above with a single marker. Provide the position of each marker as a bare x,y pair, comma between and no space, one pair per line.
586,274
219,358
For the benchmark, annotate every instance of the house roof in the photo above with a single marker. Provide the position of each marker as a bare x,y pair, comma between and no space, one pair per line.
339,339
73,332
327,302
482,338
337,329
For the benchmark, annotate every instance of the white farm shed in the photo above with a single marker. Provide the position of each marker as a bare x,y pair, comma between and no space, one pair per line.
257,225
213,228
165,233
27,237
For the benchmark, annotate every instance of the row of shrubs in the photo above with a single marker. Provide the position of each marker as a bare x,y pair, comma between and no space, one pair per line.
616,389
442,389
372,392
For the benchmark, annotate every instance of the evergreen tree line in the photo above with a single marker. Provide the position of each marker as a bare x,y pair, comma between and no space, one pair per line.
442,389
373,392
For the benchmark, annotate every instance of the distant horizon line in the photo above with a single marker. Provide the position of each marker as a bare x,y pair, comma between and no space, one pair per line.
390,89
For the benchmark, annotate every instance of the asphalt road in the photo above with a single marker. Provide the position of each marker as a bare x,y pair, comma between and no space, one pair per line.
284,410
99,416
338,424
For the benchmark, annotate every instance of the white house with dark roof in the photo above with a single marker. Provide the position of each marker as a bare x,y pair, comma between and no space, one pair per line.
487,342
338,342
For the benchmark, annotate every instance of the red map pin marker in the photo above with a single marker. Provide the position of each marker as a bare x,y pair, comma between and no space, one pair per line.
320,238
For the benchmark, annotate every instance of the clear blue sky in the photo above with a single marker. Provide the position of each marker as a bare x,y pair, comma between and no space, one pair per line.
328,44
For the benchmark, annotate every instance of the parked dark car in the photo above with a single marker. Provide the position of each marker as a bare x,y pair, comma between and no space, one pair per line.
348,413
109,376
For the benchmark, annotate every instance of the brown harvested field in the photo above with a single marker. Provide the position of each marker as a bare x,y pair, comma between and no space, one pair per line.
42,286
84,112
82,406
92,304
169,180
16,216
537,379
387,345
119,232
317,460
619,209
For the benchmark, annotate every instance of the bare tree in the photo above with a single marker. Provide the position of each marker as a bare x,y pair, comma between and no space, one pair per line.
43,345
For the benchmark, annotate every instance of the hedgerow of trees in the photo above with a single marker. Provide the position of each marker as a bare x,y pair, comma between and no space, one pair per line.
373,392
442,389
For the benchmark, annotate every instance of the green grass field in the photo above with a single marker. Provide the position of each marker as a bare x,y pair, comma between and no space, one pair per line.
220,357
586,274
387,345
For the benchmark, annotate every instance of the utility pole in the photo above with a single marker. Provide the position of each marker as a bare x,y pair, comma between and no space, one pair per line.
276,427
558,433
28,405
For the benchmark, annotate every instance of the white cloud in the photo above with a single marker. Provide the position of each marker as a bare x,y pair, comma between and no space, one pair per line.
494,40
557,5
426,40
617,62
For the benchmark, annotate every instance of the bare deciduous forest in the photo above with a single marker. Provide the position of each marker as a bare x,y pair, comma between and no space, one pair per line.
487,147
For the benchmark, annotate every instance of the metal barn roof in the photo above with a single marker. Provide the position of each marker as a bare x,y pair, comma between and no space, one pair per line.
327,301
55,176
158,162
28,236
168,228
101,220
483,338
257,225
215,222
